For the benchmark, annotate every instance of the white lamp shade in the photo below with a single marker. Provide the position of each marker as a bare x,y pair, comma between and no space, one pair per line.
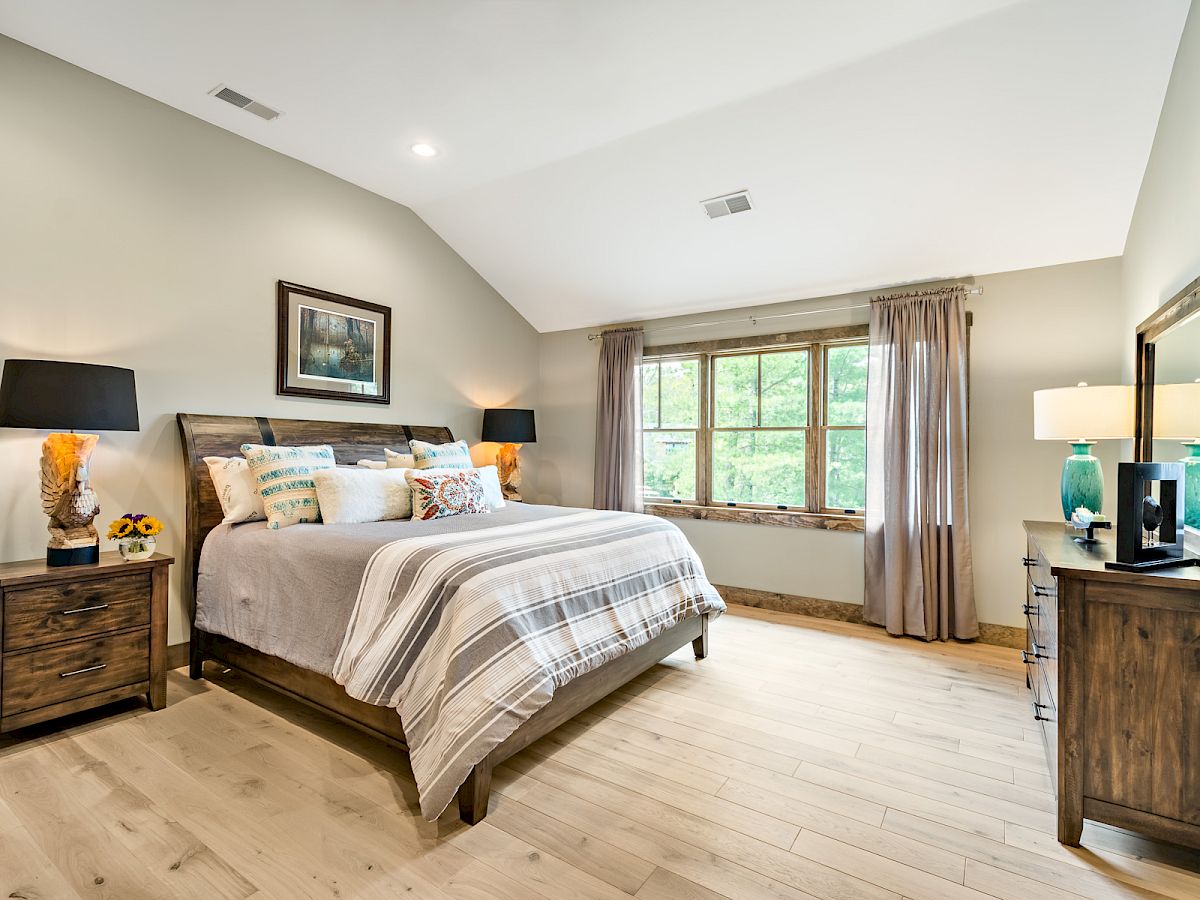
1177,411
1102,412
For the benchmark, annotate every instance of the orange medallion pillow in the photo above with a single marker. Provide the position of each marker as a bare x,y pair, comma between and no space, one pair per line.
446,493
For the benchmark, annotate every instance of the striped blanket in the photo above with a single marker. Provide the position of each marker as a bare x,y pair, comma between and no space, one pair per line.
468,635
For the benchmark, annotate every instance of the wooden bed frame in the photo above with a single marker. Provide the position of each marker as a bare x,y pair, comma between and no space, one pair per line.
204,435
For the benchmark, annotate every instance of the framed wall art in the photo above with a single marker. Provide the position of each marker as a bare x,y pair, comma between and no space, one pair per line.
331,346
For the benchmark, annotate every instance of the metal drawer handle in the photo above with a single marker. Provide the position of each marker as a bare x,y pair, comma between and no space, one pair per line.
1037,715
83,671
1041,592
1037,651
1031,610
1027,659
71,612
1027,562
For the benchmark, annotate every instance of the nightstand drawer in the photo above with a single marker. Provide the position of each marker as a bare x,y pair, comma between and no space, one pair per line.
42,677
62,612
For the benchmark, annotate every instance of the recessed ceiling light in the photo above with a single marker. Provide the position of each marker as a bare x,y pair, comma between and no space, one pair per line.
424,149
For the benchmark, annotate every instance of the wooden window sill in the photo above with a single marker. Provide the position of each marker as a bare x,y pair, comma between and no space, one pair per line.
786,518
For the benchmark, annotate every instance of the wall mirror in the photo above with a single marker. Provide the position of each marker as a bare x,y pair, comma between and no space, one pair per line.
1168,393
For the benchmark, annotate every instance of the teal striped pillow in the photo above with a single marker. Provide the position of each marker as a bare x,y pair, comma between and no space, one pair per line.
283,476
440,456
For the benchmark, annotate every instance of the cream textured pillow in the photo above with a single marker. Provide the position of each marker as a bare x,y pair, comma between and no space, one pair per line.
283,476
435,496
399,460
240,500
440,456
373,464
362,495
488,475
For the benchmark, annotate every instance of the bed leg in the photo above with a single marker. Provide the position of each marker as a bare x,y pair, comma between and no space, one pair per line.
475,791
700,644
195,657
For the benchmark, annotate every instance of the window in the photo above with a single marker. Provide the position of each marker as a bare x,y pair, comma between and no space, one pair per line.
670,428
781,427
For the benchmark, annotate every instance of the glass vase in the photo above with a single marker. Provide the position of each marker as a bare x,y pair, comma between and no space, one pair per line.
135,548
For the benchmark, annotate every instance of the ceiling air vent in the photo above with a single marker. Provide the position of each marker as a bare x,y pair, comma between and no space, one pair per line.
727,205
241,101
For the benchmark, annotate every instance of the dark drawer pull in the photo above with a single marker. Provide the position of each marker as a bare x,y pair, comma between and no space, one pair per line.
1027,659
1041,592
1037,651
1037,715
1027,562
1031,610
83,671
71,612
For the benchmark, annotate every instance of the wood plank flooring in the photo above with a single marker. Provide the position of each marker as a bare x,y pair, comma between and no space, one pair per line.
804,758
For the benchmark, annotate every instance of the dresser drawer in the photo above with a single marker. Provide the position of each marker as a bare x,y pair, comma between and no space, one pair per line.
61,612
67,671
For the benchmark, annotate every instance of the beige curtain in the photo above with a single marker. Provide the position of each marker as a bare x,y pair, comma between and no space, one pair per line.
618,456
919,578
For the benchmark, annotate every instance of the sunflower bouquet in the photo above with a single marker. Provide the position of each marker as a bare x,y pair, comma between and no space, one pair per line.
135,535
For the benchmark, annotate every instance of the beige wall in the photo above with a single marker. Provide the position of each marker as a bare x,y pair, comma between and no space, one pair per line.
1162,252
1037,328
132,234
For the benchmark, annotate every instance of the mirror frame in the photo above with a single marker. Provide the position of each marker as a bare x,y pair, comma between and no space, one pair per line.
1179,309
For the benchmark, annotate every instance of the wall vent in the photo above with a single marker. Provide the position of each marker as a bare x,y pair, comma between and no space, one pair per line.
241,101
727,205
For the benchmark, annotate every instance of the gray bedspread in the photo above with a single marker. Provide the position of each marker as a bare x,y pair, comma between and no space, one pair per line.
290,592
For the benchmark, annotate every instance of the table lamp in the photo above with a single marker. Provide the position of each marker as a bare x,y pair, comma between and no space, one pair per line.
1177,417
1081,415
43,394
512,428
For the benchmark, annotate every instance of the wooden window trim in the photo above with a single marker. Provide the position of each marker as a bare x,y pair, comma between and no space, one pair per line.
813,514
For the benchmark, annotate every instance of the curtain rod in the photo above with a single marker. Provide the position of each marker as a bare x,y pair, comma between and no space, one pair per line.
754,320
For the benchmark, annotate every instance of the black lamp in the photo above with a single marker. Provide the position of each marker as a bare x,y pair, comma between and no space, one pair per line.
44,394
510,427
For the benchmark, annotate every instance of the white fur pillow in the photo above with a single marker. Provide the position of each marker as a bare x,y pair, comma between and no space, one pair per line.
362,495
236,489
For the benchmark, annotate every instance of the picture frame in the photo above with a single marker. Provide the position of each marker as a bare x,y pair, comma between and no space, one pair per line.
331,346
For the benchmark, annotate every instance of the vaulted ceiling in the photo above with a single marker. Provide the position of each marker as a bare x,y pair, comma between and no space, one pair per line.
881,142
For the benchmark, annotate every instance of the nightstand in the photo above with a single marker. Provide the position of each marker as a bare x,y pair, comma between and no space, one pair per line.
75,637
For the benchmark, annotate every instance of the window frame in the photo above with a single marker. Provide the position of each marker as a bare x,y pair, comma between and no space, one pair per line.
814,512
697,431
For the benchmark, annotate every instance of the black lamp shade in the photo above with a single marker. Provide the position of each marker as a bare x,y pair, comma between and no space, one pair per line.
509,426
67,396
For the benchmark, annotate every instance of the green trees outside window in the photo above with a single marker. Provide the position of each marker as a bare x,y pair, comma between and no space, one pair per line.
777,428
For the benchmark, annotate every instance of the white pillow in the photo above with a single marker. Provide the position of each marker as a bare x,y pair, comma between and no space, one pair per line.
362,495
372,464
399,460
492,492
240,500
441,456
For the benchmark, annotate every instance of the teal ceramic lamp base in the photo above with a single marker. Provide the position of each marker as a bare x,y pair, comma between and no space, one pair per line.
1082,480
1191,489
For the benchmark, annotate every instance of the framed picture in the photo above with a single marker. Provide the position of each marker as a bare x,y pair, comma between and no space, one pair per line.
332,347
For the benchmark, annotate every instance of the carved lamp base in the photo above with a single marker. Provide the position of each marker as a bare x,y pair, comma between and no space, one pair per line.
69,501
508,464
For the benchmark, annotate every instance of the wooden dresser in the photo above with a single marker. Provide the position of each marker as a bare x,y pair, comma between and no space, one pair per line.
75,637
1114,670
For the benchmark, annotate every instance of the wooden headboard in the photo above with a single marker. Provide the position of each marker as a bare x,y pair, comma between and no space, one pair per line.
224,435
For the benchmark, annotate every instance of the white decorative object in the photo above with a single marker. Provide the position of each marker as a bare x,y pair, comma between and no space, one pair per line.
399,460
240,500
350,495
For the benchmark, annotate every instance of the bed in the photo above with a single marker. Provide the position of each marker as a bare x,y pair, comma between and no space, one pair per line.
294,653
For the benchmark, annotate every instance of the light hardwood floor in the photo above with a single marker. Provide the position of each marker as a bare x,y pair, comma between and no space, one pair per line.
803,758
